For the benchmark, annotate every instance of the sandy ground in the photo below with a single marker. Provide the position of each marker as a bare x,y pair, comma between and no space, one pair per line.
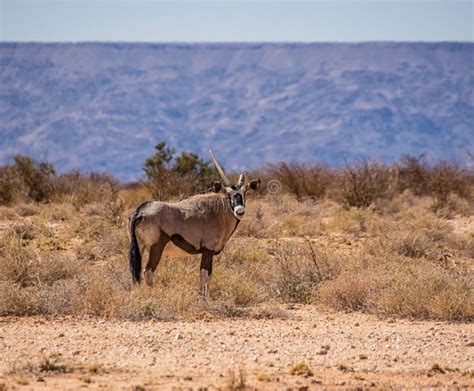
344,351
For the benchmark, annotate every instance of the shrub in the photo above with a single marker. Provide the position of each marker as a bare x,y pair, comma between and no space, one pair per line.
388,284
301,369
36,178
365,182
414,174
9,185
302,180
81,189
298,274
348,292
176,177
26,179
428,292
440,180
447,178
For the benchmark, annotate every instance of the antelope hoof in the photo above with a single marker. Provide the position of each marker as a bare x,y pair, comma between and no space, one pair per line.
205,299
149,278
204,289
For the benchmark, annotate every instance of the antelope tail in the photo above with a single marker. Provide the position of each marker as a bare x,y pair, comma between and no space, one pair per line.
134,256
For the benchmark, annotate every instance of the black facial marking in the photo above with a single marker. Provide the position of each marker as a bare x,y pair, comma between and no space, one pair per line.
238,200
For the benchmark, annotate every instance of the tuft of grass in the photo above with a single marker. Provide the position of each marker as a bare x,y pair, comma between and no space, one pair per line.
236,380
264,377
437,368
48,364
298,272
301,369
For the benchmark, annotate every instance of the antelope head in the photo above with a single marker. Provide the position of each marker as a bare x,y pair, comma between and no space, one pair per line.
235,192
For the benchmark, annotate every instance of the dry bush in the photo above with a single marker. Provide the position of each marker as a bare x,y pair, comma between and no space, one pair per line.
297,271
426,292
36,178
414,175
26,180
348,292
441,180
168,185
301,180
9,185
237,277
415,233
29,181
364,183
455,206
388,284
17,260
448,178
301,369
81,189
30,284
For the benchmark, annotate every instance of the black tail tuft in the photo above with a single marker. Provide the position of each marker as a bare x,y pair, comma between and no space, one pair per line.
134,256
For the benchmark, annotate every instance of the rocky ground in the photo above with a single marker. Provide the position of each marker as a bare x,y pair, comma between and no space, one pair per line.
305,348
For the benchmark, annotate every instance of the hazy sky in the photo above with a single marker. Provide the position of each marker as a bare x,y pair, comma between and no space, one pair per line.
197,21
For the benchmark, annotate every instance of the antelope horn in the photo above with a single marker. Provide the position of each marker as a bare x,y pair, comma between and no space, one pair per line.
219,169
241,179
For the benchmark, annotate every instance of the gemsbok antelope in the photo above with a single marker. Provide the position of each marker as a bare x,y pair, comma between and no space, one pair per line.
200,224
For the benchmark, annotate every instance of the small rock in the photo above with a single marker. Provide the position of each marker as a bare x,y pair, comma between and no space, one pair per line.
179,336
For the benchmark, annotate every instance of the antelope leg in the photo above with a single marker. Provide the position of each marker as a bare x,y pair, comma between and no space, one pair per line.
206,273
156,250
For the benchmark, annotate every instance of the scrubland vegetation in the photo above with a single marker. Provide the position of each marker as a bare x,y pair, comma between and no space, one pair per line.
393,240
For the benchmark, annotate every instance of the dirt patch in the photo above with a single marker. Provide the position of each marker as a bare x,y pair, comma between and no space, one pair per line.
336,350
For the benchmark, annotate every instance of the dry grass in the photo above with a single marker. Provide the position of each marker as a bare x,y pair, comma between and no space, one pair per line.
301,369
397,257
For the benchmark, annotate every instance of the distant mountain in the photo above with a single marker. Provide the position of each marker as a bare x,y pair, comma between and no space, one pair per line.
103,106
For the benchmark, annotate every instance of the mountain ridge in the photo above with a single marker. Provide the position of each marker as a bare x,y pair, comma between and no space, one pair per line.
103,106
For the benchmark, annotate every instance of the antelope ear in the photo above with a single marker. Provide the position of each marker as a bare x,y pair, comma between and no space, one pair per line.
216,186
254,184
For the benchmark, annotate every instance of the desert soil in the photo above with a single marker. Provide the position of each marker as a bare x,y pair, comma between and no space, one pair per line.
344,351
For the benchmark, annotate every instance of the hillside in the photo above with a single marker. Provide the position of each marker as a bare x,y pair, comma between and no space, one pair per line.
103,106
